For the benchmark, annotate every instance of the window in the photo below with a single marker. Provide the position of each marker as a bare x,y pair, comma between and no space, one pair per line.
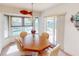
19,24
16,31
36,24
28,29
51,28
28,25
16,21
28,21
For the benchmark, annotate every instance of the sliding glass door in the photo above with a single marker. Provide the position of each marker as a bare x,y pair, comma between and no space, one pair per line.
51,28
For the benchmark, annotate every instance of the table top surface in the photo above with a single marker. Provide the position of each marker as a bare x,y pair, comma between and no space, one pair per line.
34,43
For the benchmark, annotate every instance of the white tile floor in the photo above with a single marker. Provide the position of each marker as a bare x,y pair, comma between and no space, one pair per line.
13,51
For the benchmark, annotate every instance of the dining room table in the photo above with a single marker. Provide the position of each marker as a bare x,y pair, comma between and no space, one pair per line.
33,43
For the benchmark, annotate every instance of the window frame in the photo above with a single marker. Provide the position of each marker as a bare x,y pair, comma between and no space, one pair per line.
23,24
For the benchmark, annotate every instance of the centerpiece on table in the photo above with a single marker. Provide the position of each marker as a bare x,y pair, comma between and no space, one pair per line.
33,33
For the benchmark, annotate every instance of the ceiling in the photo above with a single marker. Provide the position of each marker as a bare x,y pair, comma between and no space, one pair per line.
36,6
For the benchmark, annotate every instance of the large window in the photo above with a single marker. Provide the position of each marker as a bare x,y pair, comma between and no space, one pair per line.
36,24
16,21
51,28
27,25
16,30
19,24
28,21
16,25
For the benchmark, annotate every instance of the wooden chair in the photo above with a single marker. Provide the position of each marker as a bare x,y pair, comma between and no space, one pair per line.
22,51
19,44
45,34
23,34
44,37
55,50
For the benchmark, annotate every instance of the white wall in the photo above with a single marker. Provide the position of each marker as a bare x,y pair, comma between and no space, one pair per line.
1,31
71,35
71,38
60,30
